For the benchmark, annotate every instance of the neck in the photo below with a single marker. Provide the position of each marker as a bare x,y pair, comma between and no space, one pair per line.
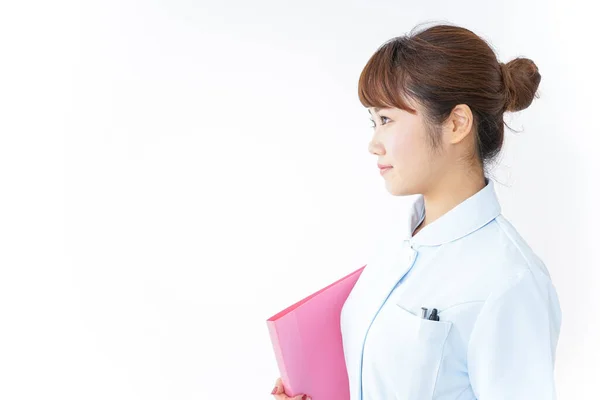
448,193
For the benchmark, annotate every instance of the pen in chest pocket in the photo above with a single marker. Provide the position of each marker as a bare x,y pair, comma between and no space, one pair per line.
433,316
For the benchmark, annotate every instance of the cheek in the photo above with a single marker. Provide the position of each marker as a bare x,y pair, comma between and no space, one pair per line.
407,150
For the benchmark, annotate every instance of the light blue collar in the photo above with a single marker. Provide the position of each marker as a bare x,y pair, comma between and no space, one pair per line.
466,217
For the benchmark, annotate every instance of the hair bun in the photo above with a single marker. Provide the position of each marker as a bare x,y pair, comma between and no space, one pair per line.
521,79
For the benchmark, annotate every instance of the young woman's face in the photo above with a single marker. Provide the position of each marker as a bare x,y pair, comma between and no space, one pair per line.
400,139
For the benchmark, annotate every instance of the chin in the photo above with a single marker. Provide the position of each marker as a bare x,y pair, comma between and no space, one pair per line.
398,193
396,189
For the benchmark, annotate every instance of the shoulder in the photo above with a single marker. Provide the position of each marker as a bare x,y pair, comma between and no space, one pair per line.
518,284
496,256
525,285
523,251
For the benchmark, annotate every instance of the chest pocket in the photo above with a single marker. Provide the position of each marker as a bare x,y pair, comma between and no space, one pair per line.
423,348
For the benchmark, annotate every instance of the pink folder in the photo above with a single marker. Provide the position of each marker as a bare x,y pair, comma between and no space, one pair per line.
307,342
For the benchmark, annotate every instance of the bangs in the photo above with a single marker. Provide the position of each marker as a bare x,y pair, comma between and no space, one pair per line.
384,82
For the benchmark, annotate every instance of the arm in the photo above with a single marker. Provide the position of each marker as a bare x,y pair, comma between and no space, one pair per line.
512,348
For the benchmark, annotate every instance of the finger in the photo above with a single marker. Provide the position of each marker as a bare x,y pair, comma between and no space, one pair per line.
278,390
283,396
279,393
301,397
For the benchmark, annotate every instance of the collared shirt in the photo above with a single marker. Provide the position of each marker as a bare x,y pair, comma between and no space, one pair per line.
499,314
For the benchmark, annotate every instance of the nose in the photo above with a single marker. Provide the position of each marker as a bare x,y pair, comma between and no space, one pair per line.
375,148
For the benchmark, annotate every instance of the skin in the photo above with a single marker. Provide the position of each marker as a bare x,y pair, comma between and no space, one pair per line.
280,395
446,176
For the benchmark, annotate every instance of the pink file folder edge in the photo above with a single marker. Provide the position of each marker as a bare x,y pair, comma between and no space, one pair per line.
311,360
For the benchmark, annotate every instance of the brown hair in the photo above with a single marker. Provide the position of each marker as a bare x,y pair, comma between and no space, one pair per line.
447,65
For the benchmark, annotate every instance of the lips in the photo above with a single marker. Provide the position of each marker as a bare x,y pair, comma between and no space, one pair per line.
384,170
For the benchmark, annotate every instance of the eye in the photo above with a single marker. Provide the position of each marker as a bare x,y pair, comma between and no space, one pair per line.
382,117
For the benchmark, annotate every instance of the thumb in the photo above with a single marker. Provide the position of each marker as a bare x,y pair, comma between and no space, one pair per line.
278,386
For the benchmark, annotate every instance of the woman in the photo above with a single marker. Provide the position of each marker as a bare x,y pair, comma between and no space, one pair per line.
457,306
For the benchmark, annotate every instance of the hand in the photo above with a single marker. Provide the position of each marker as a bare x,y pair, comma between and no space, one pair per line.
280,395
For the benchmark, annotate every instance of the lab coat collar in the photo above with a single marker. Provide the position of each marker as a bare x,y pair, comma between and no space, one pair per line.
466,217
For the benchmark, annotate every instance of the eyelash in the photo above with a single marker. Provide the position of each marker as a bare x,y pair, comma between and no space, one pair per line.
373,126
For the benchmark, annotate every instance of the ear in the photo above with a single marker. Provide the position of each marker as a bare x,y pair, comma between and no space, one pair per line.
459,123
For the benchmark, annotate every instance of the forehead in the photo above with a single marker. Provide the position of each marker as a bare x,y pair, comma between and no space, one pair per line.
377,109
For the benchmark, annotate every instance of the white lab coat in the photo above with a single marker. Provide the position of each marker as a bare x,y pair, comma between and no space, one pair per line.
499,312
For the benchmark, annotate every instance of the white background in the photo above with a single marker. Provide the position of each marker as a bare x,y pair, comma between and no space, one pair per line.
173,173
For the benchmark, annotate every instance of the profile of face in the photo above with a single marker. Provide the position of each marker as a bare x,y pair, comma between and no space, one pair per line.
401,140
